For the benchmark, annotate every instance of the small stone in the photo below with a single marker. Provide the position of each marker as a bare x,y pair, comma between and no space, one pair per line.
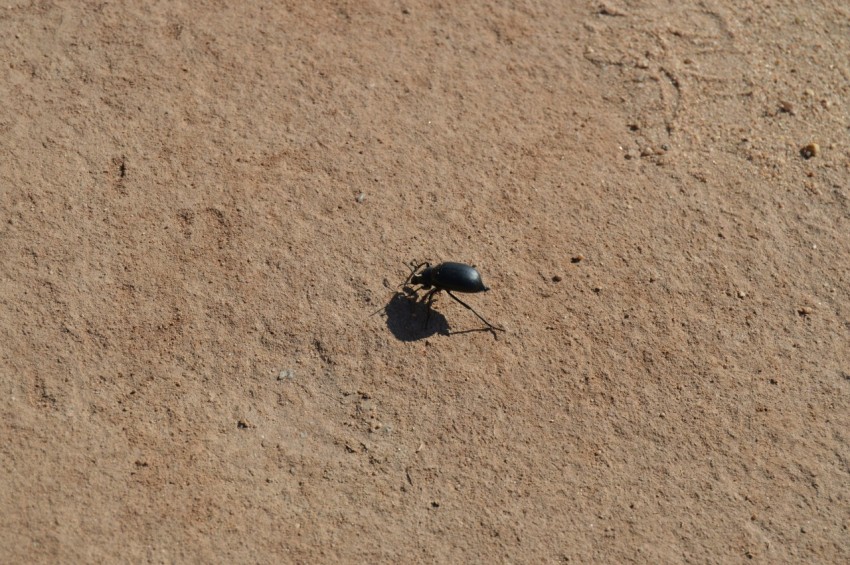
810,150
577,259
286,374
557,278
360,197
804,311
742,294
606,10
787,107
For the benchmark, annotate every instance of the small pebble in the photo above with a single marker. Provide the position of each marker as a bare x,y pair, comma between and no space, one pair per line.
810,150
742,294
578,258
787,107
360,197
804,311
286,374
557,278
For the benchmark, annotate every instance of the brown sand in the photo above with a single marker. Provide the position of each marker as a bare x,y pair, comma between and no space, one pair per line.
190,367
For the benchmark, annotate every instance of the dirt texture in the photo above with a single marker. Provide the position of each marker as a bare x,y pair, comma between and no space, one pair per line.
206,208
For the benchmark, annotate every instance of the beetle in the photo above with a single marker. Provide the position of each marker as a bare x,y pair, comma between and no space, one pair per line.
457,277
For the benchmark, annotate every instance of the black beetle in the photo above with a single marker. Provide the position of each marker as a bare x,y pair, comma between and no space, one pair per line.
457,277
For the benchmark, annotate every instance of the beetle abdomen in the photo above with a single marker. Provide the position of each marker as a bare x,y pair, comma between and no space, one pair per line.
458,277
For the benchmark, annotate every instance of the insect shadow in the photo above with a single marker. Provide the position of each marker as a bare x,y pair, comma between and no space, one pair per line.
406,317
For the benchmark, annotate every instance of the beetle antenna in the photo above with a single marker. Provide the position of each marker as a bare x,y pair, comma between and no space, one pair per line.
413,271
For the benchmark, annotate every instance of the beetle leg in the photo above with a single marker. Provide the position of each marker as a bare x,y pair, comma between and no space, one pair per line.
411,292
470,308
428,299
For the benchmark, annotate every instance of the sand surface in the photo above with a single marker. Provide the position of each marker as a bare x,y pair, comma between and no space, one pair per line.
206,208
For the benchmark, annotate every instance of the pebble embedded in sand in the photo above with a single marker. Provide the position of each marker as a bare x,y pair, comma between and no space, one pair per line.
810,150
804,311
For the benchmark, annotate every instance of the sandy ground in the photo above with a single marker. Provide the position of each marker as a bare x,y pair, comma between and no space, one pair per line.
203,206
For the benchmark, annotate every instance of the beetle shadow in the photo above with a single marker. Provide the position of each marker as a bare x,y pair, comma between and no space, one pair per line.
406,317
